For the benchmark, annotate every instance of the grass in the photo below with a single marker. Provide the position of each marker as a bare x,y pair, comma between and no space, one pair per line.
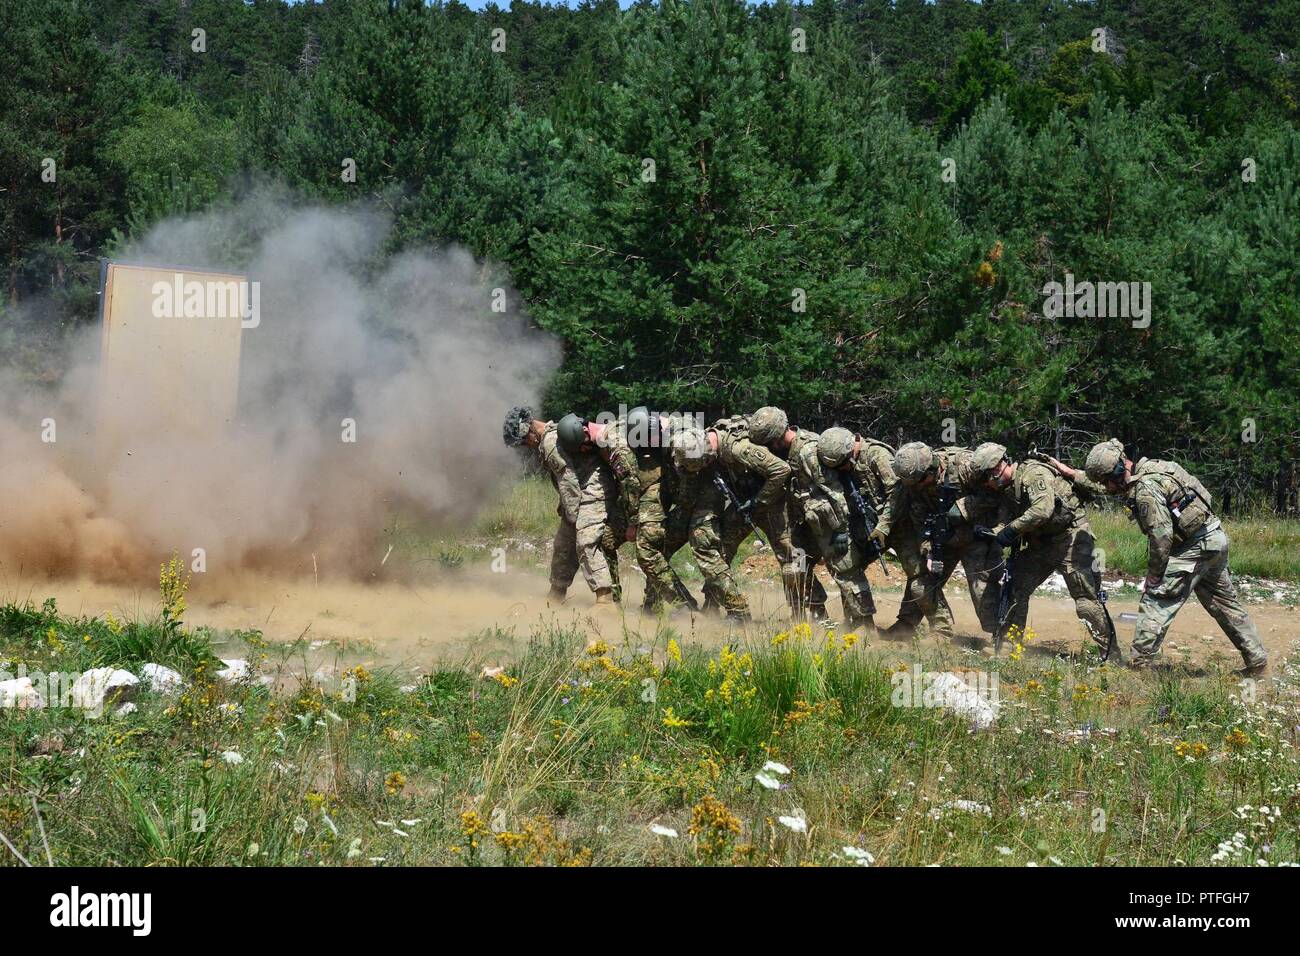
573,753
1260,547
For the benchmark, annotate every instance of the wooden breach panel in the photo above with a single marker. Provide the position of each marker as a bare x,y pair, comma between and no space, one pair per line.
169,370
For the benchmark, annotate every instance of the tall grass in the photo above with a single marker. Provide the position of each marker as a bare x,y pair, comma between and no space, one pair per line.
1261,547
572,753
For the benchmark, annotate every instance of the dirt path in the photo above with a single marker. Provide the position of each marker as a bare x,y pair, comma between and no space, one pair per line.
477,615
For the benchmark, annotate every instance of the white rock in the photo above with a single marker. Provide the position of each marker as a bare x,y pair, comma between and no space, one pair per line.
236,669
966,806
20,694
161,680
102,685
125,709
953,693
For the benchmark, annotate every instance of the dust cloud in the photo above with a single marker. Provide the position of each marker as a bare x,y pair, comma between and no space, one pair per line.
407,345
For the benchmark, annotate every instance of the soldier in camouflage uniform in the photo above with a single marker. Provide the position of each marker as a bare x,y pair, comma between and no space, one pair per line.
646,435
824,514
571,474
1043,512
869,466
715,529
1187,550
771,428
598,522
921,471
760,481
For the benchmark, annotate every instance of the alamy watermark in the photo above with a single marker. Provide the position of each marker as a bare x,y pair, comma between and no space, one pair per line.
208,299
1101,300
924,688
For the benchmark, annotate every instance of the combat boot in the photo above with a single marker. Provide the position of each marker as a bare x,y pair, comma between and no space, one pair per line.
1253,670
605,596
898,631
864,625
556,596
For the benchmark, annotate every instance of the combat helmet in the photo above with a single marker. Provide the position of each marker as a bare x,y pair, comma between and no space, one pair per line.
767,425
835,446
1106,460
639,426
988,456
519,421
913,461
571,432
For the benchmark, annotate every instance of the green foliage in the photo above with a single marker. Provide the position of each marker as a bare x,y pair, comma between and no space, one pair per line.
568,754
857,225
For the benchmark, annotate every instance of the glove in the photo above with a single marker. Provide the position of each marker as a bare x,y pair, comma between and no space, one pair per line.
840,544
984,532
878,538
1006,537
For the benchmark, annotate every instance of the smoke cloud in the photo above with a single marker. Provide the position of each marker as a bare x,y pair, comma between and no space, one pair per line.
407,346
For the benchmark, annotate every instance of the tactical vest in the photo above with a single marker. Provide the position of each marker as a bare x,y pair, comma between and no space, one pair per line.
1067,510
730,431
871,484
737,426
1185,497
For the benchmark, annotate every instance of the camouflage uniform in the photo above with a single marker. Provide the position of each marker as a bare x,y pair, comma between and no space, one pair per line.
655,545
978,558
758,474
873,470
714,531
583,539
820,498
716,528
1053,526
1189,554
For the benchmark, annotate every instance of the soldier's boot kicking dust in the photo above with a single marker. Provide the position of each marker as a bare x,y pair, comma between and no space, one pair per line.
864,624
605,596
557,596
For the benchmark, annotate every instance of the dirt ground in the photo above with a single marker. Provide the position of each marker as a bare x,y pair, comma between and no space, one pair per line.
476,616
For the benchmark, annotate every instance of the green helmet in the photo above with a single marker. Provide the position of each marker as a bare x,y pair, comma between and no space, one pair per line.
572,432
913,460
988,456
1106,460
690,449
767,425
639,427
518,422
835,446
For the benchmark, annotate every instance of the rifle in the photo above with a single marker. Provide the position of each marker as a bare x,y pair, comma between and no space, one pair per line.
684,593
862,521
1005,582
937,529
1112,639
721,484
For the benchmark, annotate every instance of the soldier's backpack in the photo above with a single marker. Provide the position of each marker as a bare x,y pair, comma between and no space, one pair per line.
1187,499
